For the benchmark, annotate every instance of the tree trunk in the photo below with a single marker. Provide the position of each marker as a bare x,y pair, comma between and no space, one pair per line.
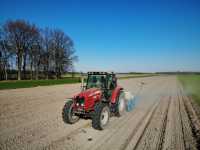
19,65
1,72
24,66
6,73
48,61
47,71
60,73
36,74
37,70
57,72
31,70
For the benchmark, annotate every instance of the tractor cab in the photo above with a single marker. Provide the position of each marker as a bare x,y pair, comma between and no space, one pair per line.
102,80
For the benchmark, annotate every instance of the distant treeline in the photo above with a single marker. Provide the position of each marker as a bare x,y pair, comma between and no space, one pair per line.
167,73
178,73
12,75
29,52
135,73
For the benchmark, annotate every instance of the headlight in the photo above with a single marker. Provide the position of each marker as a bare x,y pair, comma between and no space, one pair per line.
80,101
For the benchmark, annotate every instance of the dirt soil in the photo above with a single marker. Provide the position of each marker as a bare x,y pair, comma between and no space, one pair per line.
162,119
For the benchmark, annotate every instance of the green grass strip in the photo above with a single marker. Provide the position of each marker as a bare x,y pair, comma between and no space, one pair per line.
33,83
191,84
15,84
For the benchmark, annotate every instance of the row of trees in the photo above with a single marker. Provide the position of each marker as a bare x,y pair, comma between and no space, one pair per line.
34,50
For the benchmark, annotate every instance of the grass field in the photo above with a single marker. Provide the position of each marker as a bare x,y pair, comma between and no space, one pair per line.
191,85
33,83
66,80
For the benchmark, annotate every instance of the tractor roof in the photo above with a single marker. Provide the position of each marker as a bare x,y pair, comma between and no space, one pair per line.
100,73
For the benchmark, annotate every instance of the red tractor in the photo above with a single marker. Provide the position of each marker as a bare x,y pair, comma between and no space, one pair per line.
100,98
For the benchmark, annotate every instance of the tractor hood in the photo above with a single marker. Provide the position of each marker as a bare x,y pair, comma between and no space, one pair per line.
89,93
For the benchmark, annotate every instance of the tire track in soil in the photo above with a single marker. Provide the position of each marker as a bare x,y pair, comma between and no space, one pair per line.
194,122
174,136
178,129
146,118
153,133
163,129
188,139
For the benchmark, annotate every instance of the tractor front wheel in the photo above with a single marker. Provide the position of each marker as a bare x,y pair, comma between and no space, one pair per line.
101,116
68,114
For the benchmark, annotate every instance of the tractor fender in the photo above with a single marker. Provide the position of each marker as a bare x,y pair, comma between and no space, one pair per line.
115,94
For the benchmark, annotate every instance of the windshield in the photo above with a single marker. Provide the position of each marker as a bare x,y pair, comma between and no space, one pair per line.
98,81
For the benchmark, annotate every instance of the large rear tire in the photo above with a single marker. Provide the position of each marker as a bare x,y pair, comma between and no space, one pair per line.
68,114
101,116
120,105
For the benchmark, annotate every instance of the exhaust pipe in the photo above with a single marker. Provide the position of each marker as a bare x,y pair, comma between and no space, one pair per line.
82,83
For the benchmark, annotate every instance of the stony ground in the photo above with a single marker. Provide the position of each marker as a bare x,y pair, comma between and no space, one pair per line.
163,118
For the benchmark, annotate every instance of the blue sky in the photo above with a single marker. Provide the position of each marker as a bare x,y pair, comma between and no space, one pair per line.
120,35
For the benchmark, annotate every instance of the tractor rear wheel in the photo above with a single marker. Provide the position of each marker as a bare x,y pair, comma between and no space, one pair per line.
120,105
68,114
101,116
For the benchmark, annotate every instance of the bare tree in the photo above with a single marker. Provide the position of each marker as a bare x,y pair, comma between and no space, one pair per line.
46,35
32,38
18,32
63,52
34,47
37,58
5,54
